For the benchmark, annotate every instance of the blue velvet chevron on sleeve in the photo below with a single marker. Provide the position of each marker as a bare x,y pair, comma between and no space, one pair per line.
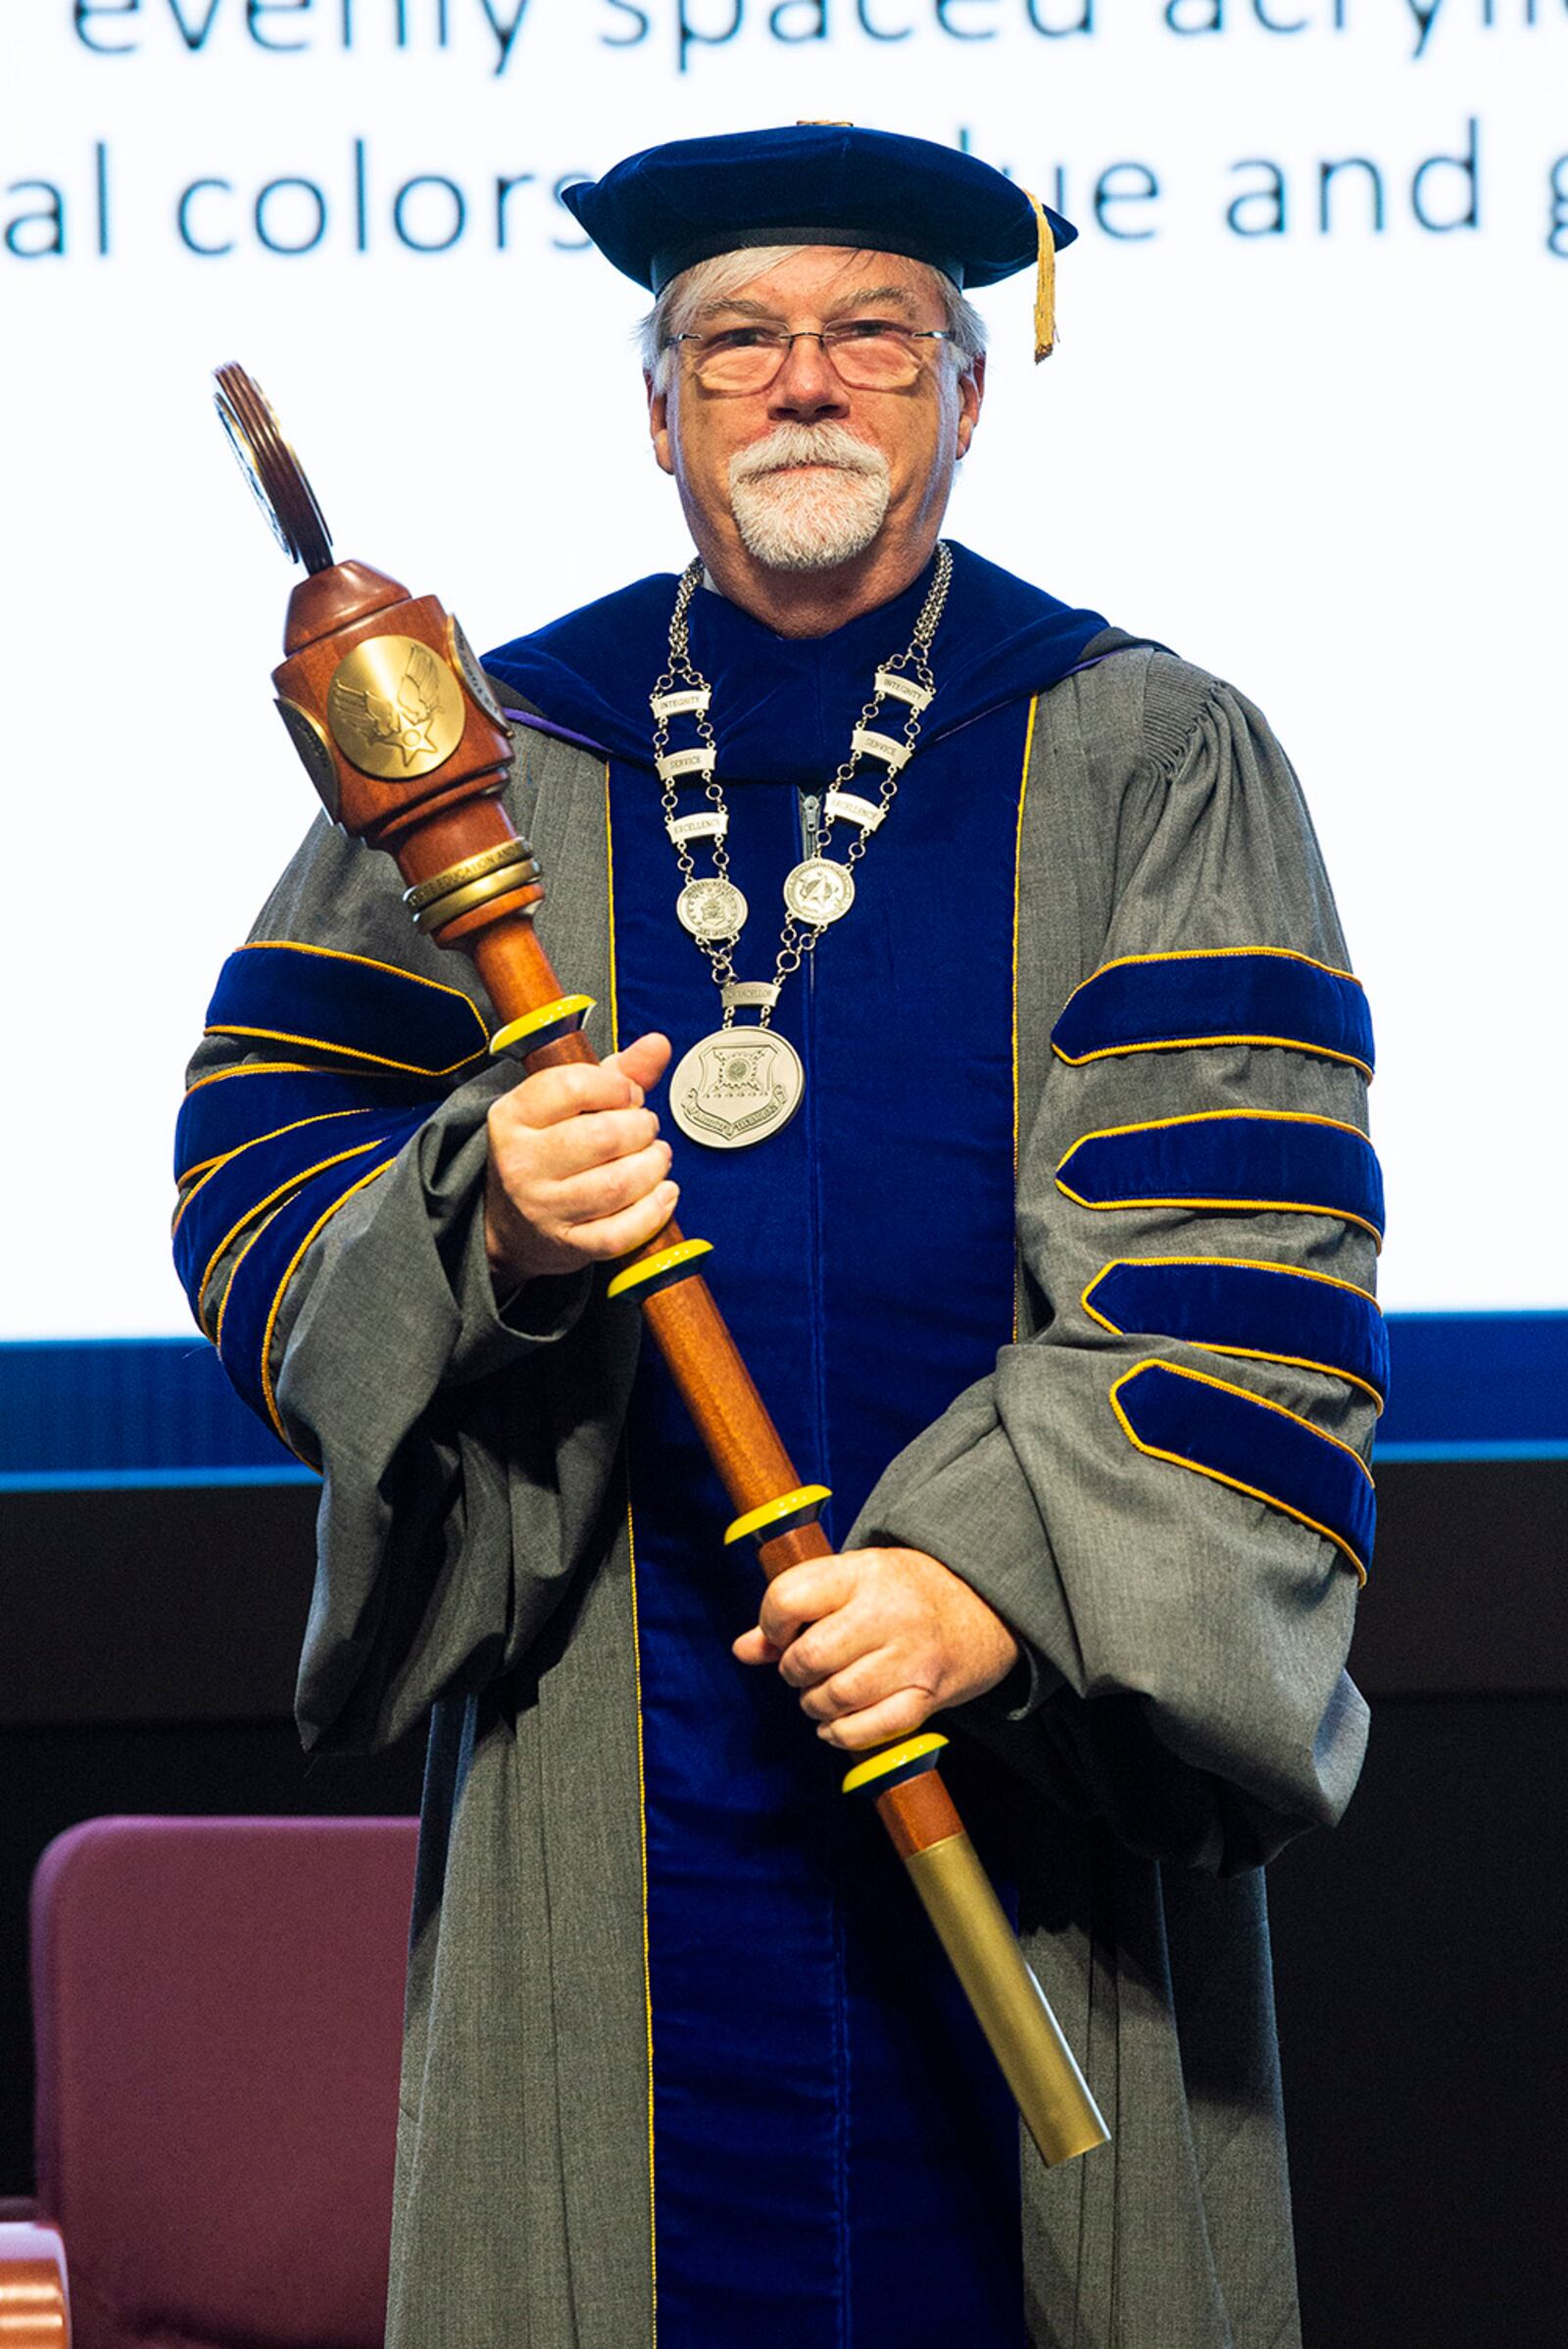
1236,1305
270,1149
1254,1446
1256,1023
346,1004
238,1190
270,1258
1232,995
1272,1159
223,1112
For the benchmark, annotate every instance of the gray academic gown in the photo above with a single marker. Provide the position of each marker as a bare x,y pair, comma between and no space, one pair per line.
1189,1708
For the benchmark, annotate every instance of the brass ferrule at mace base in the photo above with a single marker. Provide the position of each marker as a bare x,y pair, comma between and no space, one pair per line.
1037,2063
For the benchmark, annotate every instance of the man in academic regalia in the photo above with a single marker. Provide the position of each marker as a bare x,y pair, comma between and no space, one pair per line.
1028,1127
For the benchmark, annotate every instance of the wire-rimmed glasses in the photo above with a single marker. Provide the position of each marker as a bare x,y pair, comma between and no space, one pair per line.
866,353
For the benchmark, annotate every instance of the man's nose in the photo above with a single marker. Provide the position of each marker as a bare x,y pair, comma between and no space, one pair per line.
807,384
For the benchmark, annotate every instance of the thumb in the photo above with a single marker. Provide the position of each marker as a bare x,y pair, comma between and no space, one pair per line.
644,1061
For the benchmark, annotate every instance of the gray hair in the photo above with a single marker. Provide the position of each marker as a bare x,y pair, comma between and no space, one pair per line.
685,297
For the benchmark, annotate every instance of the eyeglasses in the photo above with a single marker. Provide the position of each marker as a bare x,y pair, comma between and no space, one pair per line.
866,353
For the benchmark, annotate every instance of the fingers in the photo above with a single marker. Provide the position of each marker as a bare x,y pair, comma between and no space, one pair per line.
610,1237
896,1716
867,1702
554,1094
593,1139
801,1594
578,1173
878,1640
754,1648
863,1705
829,1647
602,1187
577,1203
861,1685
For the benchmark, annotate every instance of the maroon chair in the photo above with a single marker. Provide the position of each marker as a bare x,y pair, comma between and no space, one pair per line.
217,2007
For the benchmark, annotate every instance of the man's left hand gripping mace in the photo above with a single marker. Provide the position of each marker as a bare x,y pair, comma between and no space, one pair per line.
410,751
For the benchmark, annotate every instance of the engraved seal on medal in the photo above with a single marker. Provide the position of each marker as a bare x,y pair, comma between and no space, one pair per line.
736,1087
711,909
818,891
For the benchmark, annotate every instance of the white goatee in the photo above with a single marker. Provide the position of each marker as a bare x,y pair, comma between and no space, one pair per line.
813,519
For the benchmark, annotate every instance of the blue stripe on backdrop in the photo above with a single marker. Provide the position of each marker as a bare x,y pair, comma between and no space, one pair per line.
77,1413
1476,1387
117,1411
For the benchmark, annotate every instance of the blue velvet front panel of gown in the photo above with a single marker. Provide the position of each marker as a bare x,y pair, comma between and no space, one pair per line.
835,2154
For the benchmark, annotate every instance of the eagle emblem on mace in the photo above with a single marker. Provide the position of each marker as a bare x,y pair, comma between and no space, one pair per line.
395,709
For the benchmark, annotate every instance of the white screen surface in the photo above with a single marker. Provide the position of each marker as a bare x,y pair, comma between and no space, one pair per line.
1323,460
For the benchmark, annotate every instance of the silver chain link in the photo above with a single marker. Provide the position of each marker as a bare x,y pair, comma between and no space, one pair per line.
795,941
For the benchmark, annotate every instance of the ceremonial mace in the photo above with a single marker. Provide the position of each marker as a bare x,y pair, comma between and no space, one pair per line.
408,750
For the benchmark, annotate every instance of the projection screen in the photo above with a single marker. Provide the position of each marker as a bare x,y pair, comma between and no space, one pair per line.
1305,427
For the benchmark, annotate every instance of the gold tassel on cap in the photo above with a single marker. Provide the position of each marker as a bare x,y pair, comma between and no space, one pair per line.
1045,283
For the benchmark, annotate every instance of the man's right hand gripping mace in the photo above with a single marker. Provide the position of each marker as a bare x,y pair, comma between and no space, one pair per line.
408,751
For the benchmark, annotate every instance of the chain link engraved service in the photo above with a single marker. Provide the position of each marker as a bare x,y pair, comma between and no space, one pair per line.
728,1091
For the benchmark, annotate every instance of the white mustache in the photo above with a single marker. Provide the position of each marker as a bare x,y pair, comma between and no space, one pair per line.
790,445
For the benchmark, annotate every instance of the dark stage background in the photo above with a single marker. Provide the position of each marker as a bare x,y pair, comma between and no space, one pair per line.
147,1665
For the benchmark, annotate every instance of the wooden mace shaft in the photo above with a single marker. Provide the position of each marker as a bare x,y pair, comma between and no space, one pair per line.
446,817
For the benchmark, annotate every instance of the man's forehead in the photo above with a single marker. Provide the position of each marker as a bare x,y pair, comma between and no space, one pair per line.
838,275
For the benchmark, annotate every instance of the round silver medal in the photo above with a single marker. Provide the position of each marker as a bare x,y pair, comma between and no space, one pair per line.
736,1087
711,909
818,891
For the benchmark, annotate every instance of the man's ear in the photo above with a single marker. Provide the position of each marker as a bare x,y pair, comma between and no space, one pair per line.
971,392
658,424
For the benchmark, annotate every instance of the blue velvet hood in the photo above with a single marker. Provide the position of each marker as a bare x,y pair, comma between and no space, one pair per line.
783,707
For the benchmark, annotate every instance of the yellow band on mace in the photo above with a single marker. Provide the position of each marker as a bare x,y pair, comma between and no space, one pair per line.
788,1505
651,1268
565,1007
891,1758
